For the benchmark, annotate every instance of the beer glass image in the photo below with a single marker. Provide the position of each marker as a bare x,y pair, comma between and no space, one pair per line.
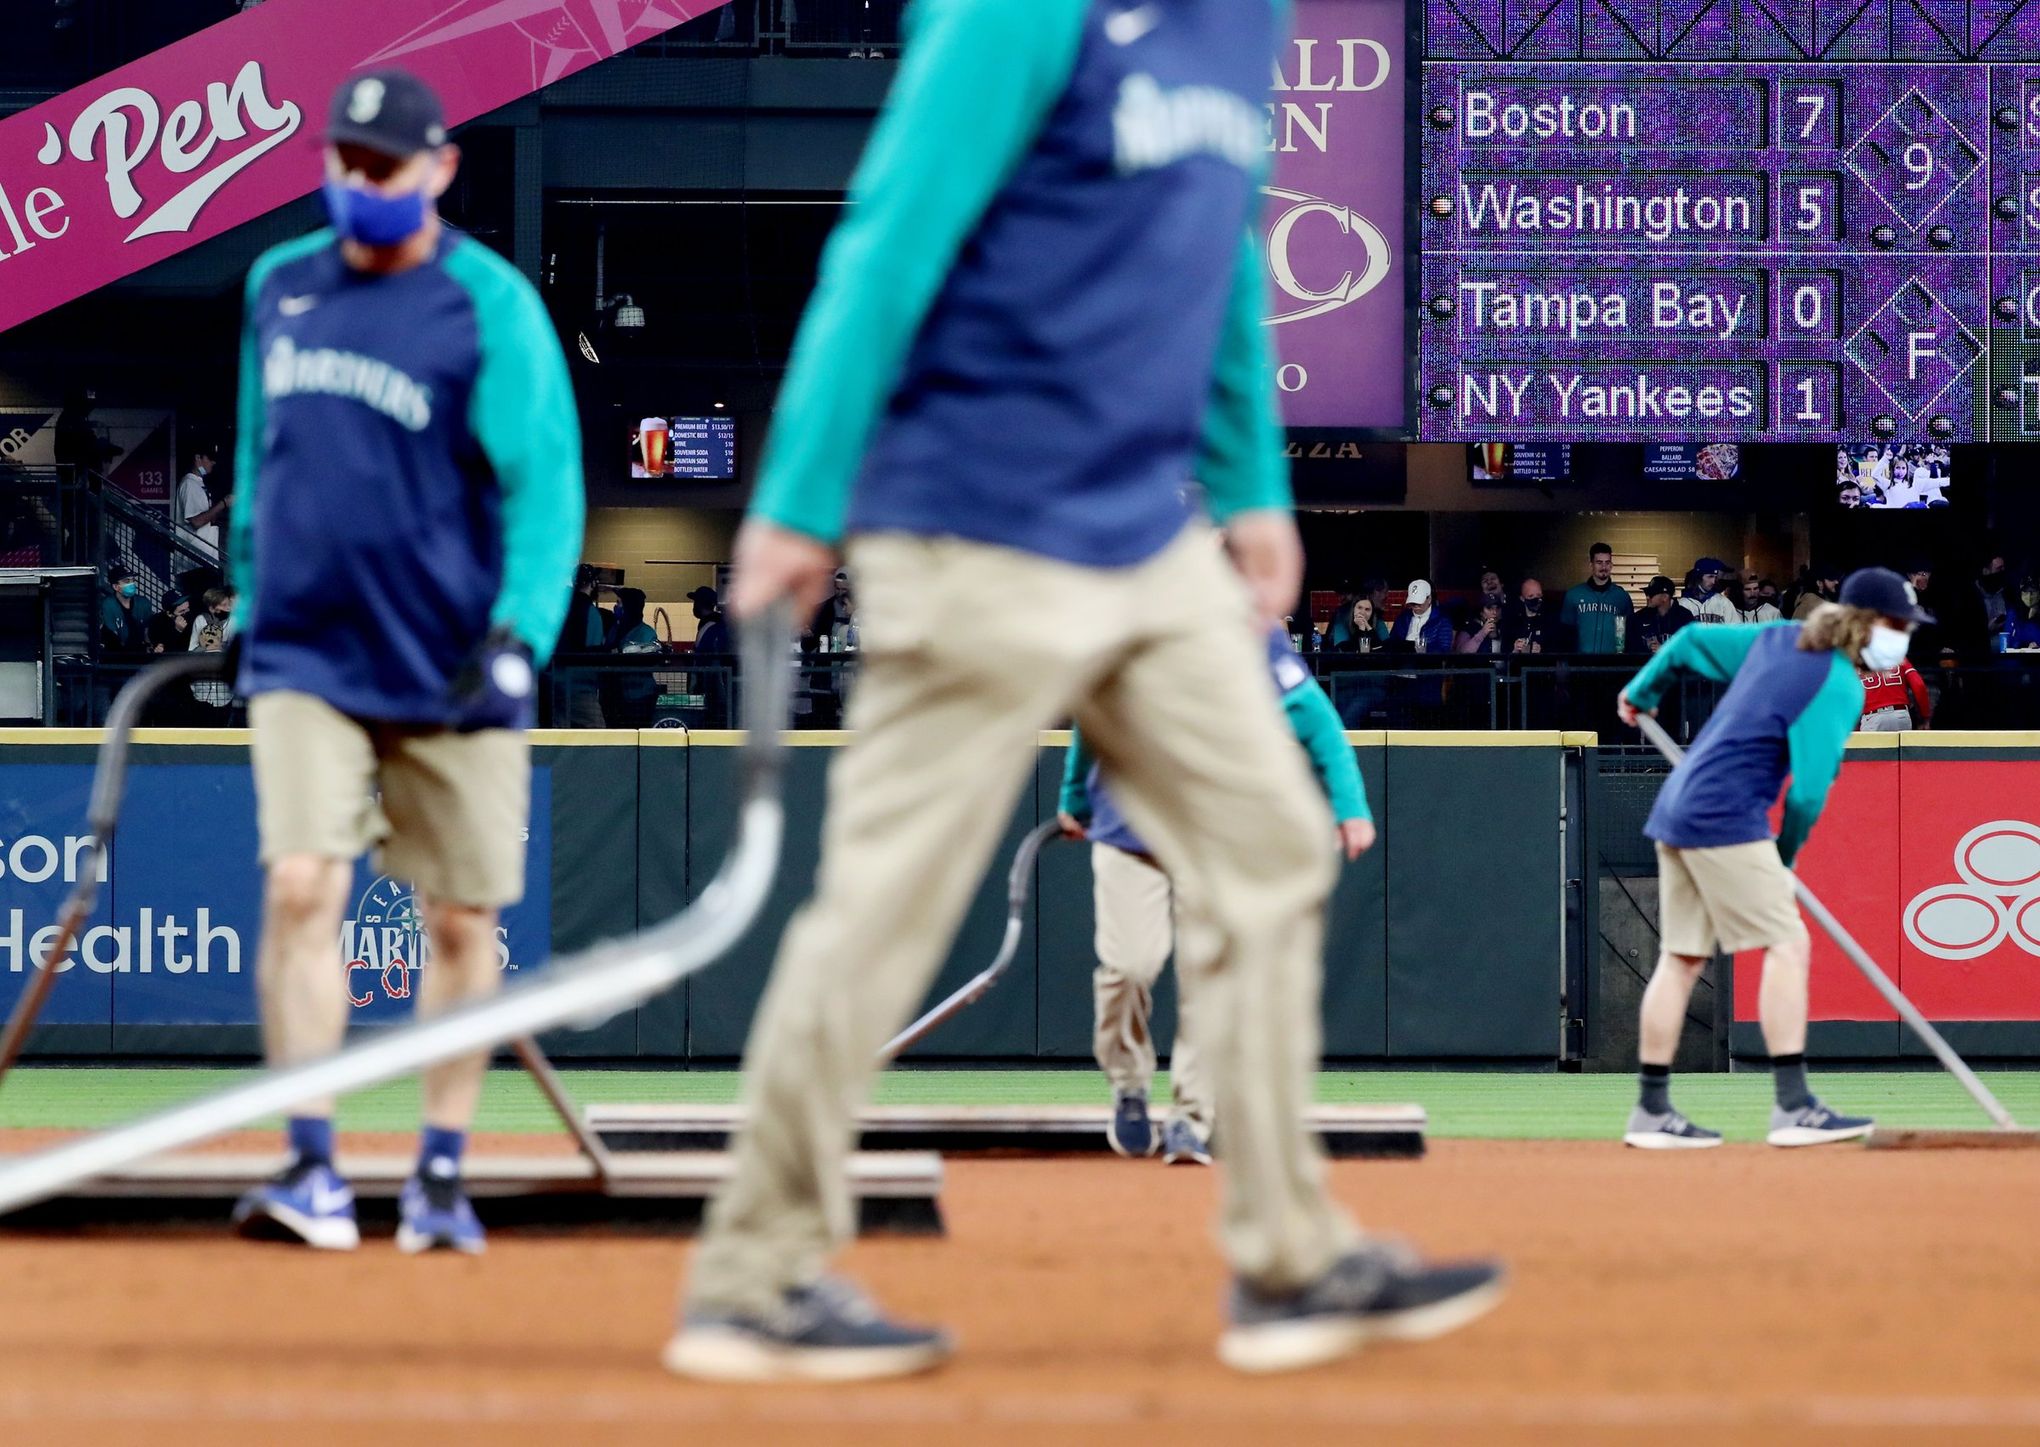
651,459
1494,460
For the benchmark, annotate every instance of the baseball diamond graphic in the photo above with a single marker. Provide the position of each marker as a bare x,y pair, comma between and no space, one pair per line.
1851,30
563,33
1998,896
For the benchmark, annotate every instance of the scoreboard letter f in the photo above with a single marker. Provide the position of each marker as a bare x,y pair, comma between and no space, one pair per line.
1915,353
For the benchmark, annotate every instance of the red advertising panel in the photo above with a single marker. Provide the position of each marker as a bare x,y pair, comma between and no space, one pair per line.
219,128
1968,903
1852,863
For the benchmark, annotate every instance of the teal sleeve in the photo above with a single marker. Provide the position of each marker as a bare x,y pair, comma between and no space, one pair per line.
522,415
1814,744
976,79
1712,651
1323,736
1075,799
1241,463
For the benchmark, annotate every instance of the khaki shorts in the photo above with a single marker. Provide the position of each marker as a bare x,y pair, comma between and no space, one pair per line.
453,811
1739,895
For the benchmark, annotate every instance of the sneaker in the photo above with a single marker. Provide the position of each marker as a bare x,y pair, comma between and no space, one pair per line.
1813,1124
310,1202
434,1212
1132,1132
827,1332
1648,1131
1182,1146
1377,1292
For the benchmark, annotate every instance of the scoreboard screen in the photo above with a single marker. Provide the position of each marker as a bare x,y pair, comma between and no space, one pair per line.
1737,220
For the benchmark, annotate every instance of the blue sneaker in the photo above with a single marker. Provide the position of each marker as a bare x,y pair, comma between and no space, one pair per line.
1376,1292
827,1332
1131,1132
434,1212
310,1202
1182,1146
1813,1124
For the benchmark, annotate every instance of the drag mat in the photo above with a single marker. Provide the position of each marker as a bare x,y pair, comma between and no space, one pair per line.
1738,1295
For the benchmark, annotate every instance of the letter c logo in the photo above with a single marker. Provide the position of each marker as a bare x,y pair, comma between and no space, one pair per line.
1349,288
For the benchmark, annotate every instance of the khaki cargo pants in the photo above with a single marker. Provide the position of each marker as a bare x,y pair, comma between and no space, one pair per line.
1139,921
969,651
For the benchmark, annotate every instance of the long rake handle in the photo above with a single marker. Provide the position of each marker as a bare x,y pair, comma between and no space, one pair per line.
102,814
1018,881
1860,958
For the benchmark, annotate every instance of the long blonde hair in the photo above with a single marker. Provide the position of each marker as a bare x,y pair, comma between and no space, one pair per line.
1833,626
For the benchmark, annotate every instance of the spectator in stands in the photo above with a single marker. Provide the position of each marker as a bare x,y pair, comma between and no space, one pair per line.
1660,619
123,620
1746,604
1767,591
1895,700
632,696
170,630
712,639
1702,597
1993,589
1422,626
1959,629
1364,632
1491,591
209,635
2025,630
583,635
1524,622
1483,631
1822,587
77,443
1596,614
829,629
197,512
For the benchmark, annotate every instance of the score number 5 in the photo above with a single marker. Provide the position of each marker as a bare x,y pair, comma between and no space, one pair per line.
1810,205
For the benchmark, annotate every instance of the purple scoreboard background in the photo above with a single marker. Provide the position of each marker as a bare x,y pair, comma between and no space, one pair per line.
1729,220
1335,218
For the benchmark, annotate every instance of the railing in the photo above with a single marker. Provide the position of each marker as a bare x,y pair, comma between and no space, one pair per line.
49,518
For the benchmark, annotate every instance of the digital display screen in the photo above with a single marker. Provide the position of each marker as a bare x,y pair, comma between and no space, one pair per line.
1691,461
1520,462
702,448
1678,219
1887,475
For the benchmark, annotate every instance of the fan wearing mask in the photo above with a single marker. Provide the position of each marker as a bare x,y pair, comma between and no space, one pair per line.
1794,695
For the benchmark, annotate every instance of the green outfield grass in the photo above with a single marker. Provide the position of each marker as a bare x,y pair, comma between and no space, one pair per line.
1476,1106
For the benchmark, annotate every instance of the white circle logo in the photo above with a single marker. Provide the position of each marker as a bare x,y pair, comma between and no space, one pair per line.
366,102
1998,898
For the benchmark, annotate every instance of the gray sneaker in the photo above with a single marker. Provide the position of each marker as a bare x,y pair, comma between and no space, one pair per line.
1813,1124
826,1332
1376,1292
1670,1131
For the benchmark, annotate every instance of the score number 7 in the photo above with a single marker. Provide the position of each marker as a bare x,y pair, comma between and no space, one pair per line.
1815,105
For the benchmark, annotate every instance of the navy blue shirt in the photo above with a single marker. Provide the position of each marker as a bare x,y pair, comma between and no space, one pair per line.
409,468
1788,711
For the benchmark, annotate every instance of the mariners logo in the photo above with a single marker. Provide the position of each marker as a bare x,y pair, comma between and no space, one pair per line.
1997,899
385,942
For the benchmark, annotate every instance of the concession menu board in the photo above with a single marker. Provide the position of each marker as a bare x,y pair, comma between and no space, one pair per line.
1744,220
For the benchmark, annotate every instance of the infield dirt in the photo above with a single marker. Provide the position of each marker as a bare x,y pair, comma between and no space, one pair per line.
1738,1295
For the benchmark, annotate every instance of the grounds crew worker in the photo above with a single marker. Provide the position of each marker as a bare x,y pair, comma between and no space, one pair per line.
404,542
1132,906
1794,697
1041,316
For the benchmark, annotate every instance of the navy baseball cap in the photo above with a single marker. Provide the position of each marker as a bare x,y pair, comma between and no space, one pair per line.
391,111
1883,591
1657,585
1710,565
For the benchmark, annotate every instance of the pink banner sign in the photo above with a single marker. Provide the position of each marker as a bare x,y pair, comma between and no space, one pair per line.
223,126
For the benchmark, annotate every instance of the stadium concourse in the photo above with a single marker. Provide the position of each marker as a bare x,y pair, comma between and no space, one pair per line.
1745,1296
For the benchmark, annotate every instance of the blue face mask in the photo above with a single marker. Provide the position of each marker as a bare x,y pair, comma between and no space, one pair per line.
372,218
128,590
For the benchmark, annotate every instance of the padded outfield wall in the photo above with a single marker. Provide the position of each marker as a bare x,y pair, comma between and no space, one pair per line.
1451,941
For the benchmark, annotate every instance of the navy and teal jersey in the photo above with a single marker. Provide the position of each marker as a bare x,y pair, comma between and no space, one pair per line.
1086,798
1598,617
1042,315
408,475
1788,712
